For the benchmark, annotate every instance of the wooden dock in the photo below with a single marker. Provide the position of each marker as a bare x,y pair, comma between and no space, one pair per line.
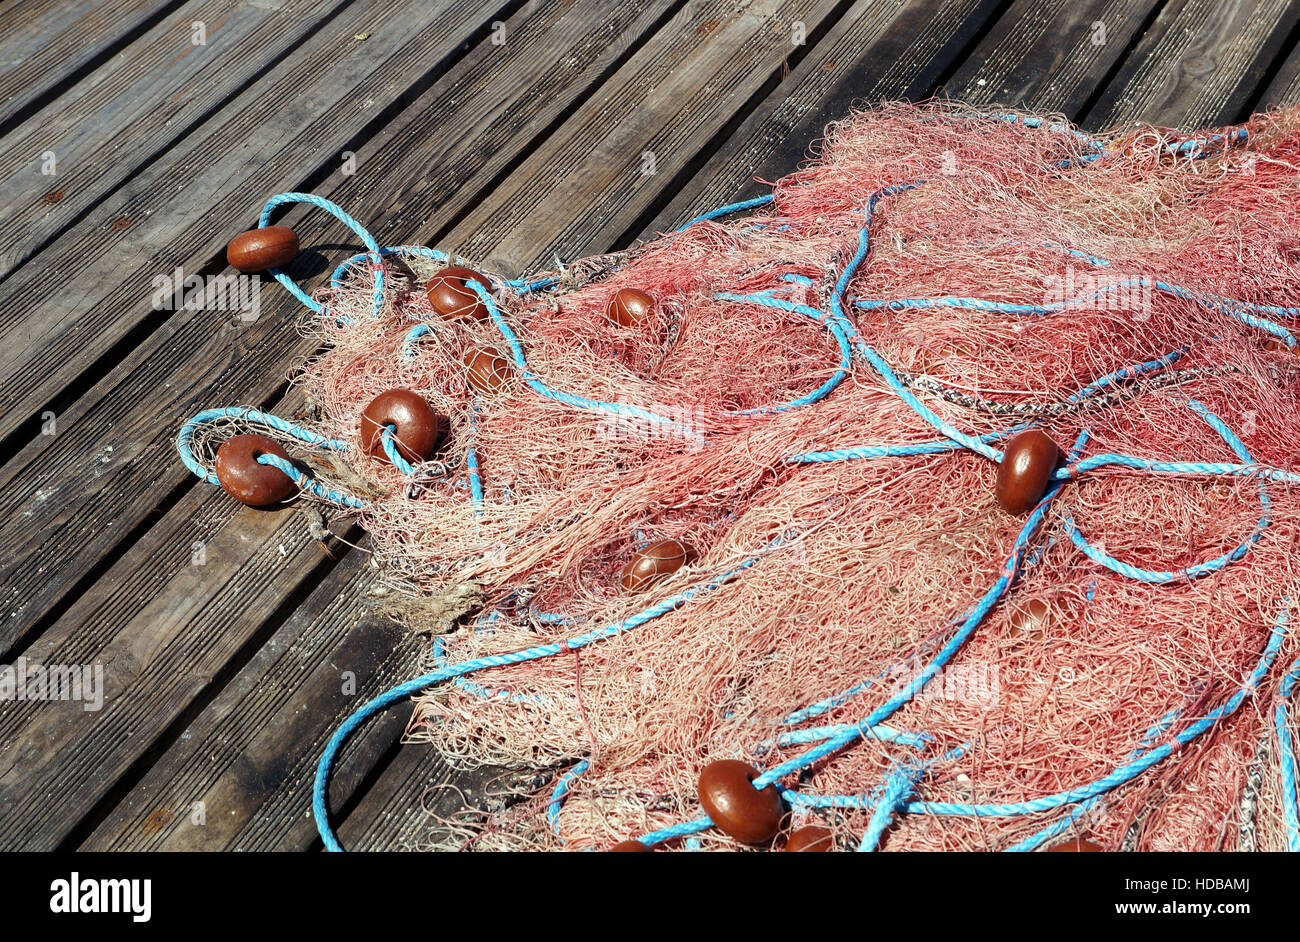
139,137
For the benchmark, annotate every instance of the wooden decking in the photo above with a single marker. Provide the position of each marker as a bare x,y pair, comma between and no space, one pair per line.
510,132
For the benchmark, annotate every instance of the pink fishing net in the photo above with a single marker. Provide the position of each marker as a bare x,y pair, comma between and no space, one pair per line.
1032,262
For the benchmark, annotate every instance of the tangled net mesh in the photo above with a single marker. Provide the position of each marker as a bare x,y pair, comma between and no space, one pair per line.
860,570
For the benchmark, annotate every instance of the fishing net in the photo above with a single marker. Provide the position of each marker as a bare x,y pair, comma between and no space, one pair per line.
813,409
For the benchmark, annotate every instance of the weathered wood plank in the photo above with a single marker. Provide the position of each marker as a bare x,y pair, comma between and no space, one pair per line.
400,811
153,94
248,759
160,639
1049,55
652,119
93,284
876,51
44,44
1285,87
1199,64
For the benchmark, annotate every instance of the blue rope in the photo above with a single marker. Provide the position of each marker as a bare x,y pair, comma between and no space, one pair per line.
900,782
580,402
471,462
304,480
1232,307
388,441
833,326
729,209
1287,757
1057,828
561,790
404,251
396,694
1137,766
856,731
1200,569
338,213
185,447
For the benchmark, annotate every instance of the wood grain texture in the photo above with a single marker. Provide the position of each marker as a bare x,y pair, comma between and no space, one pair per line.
224,678
401,810
875,51
1049,55
250,756
160,638
47,43
649,122
1285,87
135,108
93,284
72,498
1199,65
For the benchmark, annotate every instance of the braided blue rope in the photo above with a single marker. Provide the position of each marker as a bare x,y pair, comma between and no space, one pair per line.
184,438
304,480
1200,569
1137,766
500,694
1067,821
945,445
338,213
870,355
729,209
833,326
899,784
1232,307
889,707
471,462
404,251
1287,757
185,447
580,402
388,441
561,790
839,699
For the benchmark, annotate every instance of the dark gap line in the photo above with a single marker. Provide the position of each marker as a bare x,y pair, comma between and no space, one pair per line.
556,124
963,55
147,160
1270,73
